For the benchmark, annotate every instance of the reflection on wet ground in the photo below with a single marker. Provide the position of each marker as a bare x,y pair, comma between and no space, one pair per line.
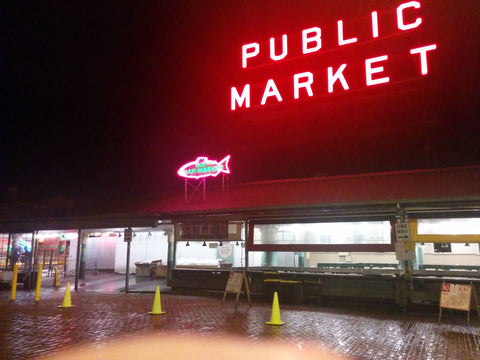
29,330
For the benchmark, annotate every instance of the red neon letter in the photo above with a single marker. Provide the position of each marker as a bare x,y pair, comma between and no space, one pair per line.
306,84
315,38
341,41
400,23
369,71
270,90
284,48
374,24
338,76
423,56
249,54
235,98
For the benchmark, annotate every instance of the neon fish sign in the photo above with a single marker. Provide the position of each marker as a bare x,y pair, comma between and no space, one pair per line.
203,167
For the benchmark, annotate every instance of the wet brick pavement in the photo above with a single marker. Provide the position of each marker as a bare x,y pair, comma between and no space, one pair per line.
31,330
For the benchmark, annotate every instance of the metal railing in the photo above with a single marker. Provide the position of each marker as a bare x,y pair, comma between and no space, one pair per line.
91,266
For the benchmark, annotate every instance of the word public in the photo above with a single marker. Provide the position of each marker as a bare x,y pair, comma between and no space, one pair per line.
312,42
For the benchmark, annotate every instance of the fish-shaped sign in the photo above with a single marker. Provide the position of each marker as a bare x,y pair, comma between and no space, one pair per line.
203,167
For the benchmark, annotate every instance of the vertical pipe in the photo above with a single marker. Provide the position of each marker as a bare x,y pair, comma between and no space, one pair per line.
39,283
14,282
83,258
204,189
77,264
186,190
172,253
67,257
170,242
35,250
56,279
9,251
176,237
127,270
246,244
223,187
33,258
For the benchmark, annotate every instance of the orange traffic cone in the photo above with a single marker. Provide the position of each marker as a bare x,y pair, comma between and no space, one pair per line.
67,301
275,318
157,305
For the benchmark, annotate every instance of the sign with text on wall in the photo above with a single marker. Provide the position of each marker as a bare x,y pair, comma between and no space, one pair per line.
209,231
341,74
128,235
458,297
402,231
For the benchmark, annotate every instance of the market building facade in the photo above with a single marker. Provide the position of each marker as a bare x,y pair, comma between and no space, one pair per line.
391,237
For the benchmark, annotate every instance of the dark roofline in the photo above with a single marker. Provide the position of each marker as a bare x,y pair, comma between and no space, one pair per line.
428,191
413,187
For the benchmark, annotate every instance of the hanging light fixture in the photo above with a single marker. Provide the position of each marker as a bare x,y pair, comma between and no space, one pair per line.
237,244
204,243
221,243
187,244
467,244
149,233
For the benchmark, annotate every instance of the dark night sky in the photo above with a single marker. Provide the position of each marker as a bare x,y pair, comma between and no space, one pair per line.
111,98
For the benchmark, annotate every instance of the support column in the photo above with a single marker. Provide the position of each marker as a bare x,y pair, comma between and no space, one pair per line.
127,267
269,258
33,258
77,262
246,245
301,259
9,252
171,252
83,256
419,256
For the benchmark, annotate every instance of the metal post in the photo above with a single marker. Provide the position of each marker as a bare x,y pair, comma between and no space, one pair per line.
77,264
14,282
204,190
39,283
83,259
246,247
35,250
127,266
186,189
171,249
33,258
9,251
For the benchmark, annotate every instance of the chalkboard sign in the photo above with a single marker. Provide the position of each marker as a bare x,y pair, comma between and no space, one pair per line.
236,280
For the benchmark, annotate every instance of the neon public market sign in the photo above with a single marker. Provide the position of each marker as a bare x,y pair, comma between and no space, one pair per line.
407,19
